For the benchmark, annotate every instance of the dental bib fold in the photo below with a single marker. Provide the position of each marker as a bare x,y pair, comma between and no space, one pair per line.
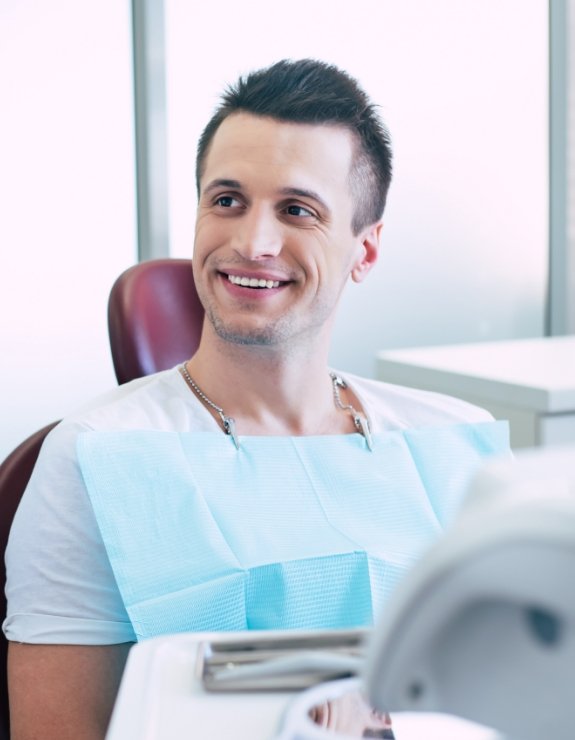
286,532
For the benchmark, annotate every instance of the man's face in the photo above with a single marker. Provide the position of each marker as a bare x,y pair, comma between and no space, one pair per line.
274,245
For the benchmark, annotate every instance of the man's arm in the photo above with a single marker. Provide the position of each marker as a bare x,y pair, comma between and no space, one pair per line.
63,692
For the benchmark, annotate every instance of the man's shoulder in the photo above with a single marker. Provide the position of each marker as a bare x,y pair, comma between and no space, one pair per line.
159,401
391,406
127,403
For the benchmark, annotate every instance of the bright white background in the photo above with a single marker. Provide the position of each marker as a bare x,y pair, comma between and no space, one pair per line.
67,203
462,85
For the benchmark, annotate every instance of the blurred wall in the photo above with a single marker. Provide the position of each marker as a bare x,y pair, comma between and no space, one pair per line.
463,87
67,203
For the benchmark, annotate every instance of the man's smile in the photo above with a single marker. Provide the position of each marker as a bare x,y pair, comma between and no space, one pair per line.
253,282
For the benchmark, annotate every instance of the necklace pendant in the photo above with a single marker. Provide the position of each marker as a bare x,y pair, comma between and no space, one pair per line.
362,425
230,428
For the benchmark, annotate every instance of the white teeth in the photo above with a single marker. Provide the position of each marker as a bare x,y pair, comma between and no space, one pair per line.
253,282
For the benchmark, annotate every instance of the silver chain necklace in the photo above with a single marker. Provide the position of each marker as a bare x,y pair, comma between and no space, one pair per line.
229,425
360,421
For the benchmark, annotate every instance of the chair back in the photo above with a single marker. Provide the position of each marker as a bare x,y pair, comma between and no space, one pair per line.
15,473
155,321
154,317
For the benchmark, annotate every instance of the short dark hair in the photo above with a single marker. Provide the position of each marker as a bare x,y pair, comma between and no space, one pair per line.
311,91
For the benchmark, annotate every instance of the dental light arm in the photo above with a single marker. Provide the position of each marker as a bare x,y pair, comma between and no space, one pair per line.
484,626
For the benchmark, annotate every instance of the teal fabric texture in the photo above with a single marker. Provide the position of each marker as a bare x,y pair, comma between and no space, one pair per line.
286,532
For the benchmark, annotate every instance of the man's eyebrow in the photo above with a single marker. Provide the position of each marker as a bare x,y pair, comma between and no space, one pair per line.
304,193
222,183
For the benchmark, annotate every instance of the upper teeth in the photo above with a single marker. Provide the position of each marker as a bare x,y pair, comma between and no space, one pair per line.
253,282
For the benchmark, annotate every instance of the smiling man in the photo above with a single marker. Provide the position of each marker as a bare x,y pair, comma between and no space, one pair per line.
252,487
274,248
274,240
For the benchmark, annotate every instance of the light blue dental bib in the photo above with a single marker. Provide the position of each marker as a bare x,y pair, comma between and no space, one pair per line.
286,532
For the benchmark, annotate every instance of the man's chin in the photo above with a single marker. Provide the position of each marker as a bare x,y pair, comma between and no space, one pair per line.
253,331
266,336
252,339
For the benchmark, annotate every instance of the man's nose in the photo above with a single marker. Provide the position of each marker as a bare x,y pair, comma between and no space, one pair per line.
258,234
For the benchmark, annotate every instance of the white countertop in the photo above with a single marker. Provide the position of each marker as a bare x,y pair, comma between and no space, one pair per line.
533,373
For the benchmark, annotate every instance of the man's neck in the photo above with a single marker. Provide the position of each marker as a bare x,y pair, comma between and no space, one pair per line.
267,390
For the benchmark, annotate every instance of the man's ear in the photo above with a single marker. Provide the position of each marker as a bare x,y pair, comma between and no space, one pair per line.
369,243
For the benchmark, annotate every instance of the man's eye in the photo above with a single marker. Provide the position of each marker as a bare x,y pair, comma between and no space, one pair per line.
226,201
298,211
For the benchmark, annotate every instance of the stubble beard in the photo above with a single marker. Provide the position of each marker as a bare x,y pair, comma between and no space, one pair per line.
273,333
276,332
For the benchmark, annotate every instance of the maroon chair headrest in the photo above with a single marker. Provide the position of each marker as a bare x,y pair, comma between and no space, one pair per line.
154,318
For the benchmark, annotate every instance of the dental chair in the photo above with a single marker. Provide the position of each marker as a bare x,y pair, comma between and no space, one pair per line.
15,472
155,321
154,317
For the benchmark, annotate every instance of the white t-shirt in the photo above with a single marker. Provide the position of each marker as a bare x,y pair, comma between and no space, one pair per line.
60,585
